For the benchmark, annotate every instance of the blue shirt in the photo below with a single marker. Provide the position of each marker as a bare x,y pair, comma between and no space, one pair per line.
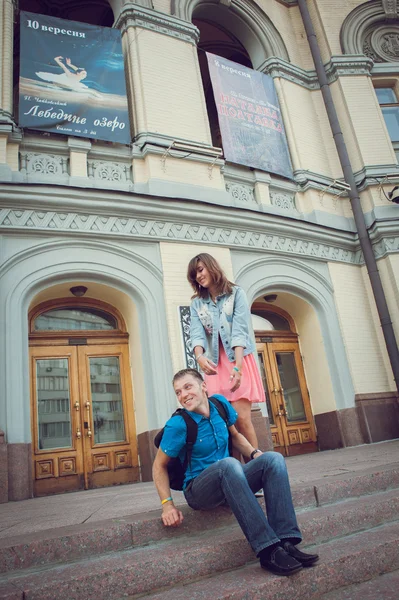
212,440
229,318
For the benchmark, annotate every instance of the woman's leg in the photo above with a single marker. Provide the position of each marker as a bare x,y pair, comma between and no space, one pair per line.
244,423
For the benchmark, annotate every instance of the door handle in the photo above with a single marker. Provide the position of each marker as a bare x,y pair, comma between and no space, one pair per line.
87,426
78,433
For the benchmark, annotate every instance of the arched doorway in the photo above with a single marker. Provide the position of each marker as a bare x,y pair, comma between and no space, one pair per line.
83,427
287,397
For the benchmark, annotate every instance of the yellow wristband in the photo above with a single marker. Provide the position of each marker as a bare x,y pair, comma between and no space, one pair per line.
170,499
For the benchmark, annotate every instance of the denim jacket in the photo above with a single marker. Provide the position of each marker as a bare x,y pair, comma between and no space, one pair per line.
228,317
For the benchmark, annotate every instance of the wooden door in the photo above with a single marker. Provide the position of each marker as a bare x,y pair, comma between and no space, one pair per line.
288,402
82,418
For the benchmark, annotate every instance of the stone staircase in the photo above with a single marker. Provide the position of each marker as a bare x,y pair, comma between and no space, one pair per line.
351,520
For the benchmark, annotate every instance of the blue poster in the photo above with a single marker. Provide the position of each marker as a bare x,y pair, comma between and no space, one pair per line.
250,120
72,79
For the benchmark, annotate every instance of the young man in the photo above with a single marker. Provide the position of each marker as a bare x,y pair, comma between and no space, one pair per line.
214,478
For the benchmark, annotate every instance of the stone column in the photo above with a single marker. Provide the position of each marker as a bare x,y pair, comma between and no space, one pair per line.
6,58
7,125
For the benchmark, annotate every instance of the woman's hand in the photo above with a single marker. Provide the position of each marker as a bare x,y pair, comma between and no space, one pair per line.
235,380
207,366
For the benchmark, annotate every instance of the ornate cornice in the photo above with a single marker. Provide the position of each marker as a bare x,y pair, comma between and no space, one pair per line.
348,65
338,66
138,16
277,67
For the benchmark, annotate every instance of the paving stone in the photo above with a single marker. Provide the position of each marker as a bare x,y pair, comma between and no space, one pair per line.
342,562
384,587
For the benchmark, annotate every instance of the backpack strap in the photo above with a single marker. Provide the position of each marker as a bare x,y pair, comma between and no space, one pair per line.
222,410
192,432
220,407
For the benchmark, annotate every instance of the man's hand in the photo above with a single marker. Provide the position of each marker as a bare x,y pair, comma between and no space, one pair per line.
171,516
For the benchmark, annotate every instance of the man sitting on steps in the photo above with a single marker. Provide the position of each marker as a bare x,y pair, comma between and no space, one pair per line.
213,478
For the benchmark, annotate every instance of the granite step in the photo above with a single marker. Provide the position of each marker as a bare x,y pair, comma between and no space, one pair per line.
180,560
63,544
343,562
384,587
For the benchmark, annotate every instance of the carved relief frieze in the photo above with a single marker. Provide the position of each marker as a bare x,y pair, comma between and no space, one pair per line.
390,8
109,172
283,200
240,192
43,164
161,229
382,44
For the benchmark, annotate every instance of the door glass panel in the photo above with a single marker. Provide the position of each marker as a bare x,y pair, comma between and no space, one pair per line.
290,384
264,381
106,395
53,403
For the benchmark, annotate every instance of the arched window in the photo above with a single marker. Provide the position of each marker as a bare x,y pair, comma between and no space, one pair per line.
74,319
75,315
268,321
216,39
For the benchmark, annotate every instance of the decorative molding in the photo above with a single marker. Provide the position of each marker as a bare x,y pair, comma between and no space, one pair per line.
160,229
283,201
240,193
184,314
137,16
48,165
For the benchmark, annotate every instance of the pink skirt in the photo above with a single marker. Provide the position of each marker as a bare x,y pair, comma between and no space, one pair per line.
251,387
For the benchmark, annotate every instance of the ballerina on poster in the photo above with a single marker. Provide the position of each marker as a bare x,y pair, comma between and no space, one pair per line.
71,77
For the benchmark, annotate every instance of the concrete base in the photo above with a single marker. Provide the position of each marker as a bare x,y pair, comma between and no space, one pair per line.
3,469
147,452
262,429
374,418
378,416
20,483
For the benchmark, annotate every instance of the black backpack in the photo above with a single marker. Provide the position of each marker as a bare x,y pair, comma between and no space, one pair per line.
177,469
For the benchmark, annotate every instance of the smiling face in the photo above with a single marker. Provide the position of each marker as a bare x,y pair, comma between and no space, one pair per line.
191,394
204,278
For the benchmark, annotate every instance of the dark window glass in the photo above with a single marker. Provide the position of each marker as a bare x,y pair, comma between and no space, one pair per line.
74,319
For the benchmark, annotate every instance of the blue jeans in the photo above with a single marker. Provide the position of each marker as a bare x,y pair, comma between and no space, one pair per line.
229,480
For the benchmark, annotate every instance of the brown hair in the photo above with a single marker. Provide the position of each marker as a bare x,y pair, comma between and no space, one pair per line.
223,285
193,372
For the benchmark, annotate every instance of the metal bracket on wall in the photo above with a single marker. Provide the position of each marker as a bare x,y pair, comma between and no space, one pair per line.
191,148
337,188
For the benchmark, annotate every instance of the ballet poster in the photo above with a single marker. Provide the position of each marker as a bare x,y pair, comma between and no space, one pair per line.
72,79
250,120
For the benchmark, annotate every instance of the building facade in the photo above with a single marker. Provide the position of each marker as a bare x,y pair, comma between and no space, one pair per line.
95,238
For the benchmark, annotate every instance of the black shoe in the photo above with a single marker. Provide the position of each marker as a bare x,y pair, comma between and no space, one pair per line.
307,560
280,562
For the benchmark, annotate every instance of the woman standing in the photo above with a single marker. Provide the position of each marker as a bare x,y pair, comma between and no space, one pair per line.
222,339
